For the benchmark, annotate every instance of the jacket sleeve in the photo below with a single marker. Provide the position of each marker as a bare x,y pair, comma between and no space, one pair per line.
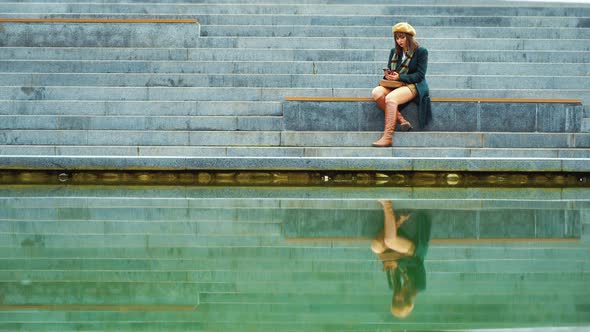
422,65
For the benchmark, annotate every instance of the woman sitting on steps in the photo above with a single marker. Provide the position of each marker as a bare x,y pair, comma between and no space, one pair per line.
407,65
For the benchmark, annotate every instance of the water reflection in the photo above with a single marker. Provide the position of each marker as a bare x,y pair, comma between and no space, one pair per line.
401,246
266,259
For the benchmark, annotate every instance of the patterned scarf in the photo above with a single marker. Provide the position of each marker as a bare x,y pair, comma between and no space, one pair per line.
403,68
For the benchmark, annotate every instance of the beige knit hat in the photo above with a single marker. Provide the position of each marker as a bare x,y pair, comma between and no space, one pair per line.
404,27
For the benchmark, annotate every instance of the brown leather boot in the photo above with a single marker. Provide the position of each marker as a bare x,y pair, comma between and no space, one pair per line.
404,125
386,139
381,103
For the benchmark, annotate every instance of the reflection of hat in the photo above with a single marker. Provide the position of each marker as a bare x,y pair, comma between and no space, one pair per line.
404,27
401,311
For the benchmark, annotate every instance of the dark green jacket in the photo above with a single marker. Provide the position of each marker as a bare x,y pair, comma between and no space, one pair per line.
417,75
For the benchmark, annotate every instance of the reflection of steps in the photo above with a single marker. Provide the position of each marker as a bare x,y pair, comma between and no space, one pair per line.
216,259
492,224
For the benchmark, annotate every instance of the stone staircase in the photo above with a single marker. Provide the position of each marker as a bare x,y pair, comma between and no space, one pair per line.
81,258
212,94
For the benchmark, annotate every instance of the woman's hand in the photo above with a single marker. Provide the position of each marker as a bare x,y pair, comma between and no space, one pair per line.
392,76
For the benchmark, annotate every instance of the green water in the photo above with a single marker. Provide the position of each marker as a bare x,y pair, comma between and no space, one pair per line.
76,258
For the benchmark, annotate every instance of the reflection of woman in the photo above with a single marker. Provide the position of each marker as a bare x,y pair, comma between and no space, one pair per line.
401,246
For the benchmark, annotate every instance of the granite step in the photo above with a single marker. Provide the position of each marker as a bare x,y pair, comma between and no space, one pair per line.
330,55
385,31
251,94
269,164
311,2
416,19
574,10
336,20
335,80
369,42
322,152
293,139
140,108
180,68
480,116
138,123
439,139
490,43
99,34
187,35
193,55
141,137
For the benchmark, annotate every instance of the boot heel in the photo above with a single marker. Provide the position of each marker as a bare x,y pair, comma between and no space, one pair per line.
406,126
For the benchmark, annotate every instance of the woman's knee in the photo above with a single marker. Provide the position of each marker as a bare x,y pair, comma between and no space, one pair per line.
378,246
401,245
391,99
378,92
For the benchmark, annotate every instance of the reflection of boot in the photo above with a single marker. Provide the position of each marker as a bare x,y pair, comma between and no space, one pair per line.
405,125
390,116
387,210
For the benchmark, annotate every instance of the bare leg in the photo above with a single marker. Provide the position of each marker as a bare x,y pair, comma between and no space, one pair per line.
392,100
399,96
379,93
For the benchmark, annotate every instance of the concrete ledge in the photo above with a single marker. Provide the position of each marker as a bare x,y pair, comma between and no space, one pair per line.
448,114
440,99
295,163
